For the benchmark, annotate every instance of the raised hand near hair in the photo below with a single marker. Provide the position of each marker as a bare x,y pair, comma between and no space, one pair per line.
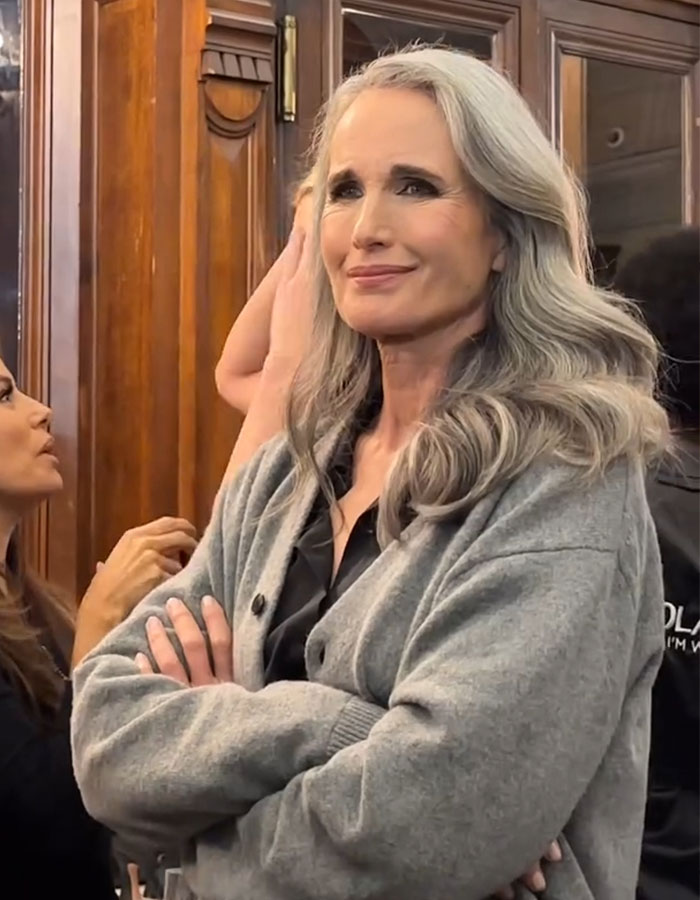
143,558
292,310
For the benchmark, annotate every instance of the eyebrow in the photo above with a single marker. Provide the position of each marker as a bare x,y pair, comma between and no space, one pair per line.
401,170
5,382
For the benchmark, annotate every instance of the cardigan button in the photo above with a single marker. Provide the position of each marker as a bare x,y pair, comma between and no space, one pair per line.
257,607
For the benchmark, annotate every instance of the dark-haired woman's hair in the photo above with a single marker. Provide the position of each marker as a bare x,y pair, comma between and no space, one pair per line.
30,609
664,279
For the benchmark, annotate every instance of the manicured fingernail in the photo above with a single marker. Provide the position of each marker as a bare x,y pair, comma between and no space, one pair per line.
554,852
208,602
174,604
538,882
153,623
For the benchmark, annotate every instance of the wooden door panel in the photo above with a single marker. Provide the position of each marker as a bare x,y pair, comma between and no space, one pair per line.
236,233
619,93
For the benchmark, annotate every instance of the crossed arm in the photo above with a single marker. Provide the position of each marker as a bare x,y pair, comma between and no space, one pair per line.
389,802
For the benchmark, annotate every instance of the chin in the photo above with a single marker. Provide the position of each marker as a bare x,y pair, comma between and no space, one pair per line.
381,327
48,484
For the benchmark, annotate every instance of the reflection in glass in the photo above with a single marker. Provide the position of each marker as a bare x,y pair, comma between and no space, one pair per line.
367,35
9,179
621,130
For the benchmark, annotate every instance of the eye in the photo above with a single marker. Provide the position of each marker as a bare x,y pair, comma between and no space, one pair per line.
345,190
6,393
417,187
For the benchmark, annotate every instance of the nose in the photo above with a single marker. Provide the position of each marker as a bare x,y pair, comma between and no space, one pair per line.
40,416
373,227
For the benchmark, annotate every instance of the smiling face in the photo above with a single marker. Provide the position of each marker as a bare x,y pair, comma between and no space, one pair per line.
28,469
405,238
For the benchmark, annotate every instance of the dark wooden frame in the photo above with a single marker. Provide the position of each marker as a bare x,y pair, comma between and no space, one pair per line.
595,31
54,42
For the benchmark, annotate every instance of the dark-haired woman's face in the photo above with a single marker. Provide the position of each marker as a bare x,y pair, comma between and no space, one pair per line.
28,467
405,238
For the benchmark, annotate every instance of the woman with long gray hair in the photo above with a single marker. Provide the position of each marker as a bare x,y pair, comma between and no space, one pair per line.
442,580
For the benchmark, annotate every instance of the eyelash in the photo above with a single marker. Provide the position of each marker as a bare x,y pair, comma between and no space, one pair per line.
424,189
6,394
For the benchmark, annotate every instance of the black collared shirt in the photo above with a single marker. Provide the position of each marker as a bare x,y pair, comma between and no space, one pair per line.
310,590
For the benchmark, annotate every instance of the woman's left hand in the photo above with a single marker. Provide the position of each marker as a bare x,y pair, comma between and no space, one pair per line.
533,879
203,669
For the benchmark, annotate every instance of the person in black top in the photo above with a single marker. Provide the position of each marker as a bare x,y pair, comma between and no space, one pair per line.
665,279
49,846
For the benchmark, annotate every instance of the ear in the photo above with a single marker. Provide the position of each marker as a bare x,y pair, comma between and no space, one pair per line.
499,260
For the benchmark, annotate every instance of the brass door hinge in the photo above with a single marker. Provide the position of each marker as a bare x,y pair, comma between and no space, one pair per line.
288,69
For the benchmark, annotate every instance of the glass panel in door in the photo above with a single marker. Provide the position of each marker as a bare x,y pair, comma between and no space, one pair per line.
366,35
622,131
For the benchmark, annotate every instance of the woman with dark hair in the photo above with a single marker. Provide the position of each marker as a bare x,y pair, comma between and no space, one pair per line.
49,845
665,279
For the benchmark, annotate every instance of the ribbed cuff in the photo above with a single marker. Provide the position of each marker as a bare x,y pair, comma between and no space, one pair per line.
354,724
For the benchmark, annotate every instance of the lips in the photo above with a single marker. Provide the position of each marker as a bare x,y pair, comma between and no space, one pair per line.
49,447
382,278
378,270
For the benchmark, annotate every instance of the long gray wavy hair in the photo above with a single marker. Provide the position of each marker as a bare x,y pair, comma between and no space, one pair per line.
564,369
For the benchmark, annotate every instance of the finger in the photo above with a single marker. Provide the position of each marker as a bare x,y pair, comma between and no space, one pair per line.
306,251
534,879
172,542
554,853
265,291
166,525
144,664
192,641
506,893
169,566
133,871
163,651
291,255
220,638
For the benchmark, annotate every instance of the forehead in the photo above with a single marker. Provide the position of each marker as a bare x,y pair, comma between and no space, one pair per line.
384,127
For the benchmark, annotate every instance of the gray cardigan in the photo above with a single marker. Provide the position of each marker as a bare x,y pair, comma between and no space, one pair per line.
482,688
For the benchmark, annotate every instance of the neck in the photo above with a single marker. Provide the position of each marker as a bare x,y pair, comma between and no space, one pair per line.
413,373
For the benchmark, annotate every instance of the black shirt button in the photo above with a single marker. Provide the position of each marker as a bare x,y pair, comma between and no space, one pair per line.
258,605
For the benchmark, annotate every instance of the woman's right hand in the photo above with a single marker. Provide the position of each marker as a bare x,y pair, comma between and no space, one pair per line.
143,558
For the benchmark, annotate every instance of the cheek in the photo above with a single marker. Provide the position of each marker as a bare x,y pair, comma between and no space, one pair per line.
12,455
458,243
335,238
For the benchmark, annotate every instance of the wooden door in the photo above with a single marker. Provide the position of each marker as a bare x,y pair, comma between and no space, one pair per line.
229,227
619,89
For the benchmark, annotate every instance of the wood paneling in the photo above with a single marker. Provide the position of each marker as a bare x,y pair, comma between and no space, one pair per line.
235,215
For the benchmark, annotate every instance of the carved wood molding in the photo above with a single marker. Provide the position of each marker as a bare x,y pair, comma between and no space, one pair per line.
232,109
239,47
239,52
